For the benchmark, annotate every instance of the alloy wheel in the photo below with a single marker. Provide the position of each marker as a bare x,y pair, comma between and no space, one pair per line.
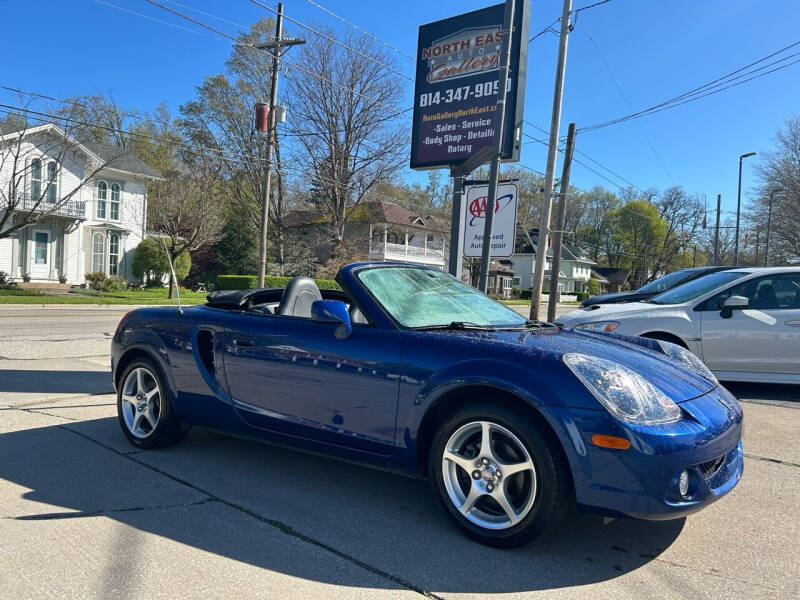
489,475
141,402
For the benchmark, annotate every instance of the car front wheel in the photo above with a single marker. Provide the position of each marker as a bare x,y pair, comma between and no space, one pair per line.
501,480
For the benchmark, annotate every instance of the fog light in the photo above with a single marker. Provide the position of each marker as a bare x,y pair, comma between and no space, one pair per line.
683,484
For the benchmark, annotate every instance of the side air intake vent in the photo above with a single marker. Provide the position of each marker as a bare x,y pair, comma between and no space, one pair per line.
205,347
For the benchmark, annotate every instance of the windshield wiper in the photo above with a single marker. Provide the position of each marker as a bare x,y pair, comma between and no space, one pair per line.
457,326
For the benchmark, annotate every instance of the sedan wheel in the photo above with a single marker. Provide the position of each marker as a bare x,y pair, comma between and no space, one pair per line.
489,475
141,402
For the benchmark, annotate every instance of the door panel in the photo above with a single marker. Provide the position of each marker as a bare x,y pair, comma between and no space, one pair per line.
41,254
762,338
293,376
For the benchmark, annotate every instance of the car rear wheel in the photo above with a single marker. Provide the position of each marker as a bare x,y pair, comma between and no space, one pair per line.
497,476
144,407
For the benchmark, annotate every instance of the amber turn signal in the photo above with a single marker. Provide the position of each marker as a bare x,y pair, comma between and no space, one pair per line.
610,441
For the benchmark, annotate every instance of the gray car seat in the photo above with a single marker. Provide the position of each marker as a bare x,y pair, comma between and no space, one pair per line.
300,293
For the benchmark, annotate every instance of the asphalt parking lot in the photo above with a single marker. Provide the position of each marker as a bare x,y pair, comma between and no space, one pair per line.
83,514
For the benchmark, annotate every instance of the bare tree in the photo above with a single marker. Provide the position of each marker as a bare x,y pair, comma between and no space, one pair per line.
780,170
343,119
185,209
31,159
683,217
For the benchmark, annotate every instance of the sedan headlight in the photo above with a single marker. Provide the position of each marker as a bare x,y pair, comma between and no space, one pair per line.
623,392
598,326
687,359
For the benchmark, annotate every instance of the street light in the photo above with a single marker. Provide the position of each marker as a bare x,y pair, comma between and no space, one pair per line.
769,225
739,210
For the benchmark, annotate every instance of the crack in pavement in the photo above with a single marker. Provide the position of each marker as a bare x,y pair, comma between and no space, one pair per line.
787,463
63,407
111,511
283,527
80,357
715,573
34,403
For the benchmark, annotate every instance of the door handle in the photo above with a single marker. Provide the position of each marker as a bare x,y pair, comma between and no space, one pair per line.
793,323
244,342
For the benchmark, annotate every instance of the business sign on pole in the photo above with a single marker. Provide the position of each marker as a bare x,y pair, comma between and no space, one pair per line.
504,227
455,95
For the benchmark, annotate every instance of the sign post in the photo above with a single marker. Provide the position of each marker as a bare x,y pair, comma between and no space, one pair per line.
457,108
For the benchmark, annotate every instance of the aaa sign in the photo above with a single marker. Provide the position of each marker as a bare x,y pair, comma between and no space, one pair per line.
503,227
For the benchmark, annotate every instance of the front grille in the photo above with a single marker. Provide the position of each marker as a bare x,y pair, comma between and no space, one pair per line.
710,467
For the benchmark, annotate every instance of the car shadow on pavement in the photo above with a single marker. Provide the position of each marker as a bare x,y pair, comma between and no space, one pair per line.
764,391
60,382
388,524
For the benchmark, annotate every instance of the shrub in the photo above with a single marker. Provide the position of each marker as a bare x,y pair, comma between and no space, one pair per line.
150,263
247,282
6,283
581,296
593,287
115,284
97,280
525,294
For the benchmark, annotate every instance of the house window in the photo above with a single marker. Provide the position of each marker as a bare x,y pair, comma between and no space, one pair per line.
113,255
98,252
52,182
115,201
392,238
516,282
506,282
36,179
102,196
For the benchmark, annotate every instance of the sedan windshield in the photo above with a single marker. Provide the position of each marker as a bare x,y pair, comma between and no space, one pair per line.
666,282
698,287
426,298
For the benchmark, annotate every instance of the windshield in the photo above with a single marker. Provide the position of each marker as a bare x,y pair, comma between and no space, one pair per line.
698,287
424,298
666,282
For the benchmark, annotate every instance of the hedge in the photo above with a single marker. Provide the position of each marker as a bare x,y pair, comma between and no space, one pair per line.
246,282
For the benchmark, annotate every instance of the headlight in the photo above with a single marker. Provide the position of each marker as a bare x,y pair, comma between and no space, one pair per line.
624,393
599,326
687,359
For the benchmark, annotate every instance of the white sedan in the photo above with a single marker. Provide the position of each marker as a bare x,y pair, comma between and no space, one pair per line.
744,323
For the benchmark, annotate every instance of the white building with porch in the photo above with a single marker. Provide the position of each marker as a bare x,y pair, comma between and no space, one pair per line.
96,229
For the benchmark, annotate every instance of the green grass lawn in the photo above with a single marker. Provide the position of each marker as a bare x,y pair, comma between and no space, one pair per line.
80,296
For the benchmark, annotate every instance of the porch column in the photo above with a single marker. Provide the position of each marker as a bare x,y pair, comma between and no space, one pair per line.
52,250
15,254
64,254
385,239
425,245
370,239
406,243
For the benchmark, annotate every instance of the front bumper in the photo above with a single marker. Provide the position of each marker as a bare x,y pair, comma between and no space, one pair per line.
642,481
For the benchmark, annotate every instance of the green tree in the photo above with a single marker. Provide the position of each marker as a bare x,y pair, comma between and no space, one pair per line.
150,263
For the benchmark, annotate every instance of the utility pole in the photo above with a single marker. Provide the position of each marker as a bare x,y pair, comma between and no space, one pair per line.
552,155
561,215
739,210
275,49
716,232
758,236
494,169
769,225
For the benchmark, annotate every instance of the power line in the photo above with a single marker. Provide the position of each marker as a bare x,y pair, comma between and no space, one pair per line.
549,28
138,14
625,98
712,87
361,30
335,41
268,53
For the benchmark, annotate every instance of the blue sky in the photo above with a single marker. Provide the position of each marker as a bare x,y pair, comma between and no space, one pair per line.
656,49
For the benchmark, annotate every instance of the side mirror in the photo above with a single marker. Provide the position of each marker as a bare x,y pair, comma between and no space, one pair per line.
731,304
333,311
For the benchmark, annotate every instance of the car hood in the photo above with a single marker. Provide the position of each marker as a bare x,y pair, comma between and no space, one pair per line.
609,312
616,298
546,345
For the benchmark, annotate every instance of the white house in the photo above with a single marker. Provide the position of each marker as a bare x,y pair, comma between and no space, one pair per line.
574,268
97,229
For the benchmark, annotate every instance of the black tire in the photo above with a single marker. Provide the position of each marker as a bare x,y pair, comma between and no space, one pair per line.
168,430
553,488
665,337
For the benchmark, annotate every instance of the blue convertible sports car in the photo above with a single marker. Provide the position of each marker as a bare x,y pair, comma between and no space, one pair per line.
408,369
